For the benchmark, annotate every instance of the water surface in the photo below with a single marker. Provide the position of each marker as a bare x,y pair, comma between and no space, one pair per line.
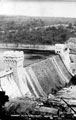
29,57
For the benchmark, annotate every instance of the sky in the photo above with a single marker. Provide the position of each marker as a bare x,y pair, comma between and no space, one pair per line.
39,8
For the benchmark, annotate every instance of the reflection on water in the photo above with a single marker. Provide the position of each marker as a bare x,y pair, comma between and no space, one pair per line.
35,57
29,57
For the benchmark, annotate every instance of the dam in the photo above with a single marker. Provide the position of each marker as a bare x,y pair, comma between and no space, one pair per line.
41,90
39,79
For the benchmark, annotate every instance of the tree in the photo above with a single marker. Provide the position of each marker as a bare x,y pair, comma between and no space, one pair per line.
70,26
75,23
63,36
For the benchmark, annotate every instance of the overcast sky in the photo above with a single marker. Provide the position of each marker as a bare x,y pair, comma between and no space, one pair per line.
49,8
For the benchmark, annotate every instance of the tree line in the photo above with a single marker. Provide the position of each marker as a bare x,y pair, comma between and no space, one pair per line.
27,34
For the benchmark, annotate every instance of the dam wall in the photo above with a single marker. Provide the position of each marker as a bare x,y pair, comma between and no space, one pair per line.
48,76
27,46
39,79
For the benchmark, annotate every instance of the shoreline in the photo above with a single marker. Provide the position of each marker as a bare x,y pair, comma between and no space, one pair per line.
27,46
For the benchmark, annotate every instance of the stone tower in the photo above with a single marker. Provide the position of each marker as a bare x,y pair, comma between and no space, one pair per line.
13,60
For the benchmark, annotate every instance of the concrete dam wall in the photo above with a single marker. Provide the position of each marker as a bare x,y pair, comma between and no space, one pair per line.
27,46
48,76
38,79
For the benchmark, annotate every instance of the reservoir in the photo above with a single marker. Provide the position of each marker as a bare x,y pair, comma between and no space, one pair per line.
30,57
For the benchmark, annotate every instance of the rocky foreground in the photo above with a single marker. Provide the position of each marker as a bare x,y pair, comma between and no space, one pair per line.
60,106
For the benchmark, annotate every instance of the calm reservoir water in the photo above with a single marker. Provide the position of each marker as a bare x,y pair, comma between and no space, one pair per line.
29,57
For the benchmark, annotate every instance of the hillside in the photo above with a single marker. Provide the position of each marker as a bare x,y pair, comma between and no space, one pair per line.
46,20
20,29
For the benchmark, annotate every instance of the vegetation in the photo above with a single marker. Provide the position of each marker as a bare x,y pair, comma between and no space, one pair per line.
32,31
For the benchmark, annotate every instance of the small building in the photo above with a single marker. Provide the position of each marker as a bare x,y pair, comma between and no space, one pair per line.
68,54
60,48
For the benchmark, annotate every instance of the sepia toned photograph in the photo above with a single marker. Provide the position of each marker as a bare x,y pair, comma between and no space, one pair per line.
37,59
